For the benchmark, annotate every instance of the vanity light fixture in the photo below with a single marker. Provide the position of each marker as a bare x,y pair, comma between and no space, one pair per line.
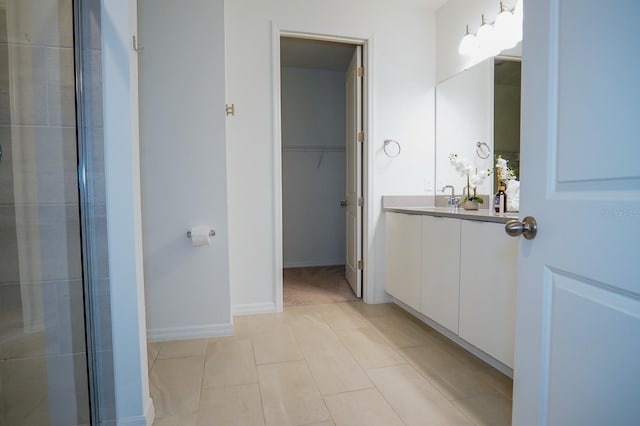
493,37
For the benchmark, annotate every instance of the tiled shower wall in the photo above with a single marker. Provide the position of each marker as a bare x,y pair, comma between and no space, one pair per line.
43,367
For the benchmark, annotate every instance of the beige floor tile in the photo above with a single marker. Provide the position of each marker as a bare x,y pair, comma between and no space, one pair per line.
231,406
403,332
370,310
430,360
327,423
289,395
265,323
310,331
455,379
278,345
369,348
334,369
189,420
361,408
339,319
229,363
414,399
175,385
487,409
183,348
500,382
240,326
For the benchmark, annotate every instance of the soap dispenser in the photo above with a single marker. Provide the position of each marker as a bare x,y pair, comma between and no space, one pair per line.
500,200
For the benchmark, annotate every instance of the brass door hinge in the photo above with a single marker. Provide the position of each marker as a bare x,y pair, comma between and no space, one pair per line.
360,71
360,265
360,136
230,110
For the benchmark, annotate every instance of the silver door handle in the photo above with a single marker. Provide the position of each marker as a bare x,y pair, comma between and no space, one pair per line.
528,227
344,203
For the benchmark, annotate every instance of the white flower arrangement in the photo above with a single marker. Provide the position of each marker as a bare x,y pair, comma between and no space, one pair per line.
503,172
474,178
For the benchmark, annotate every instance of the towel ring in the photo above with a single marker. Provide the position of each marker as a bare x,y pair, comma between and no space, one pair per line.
387,149
479,150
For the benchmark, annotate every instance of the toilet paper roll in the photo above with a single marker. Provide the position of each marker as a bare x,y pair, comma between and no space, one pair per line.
200,236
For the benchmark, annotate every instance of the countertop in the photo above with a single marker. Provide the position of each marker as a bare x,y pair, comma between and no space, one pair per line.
482,215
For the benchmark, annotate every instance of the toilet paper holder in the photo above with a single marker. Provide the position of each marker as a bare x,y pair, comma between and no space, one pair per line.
211,233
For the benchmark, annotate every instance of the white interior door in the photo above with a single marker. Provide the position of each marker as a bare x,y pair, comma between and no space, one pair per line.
578,310
353,165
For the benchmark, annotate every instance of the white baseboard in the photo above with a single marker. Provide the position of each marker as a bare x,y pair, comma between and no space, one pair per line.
150,412
379,298
133,421
253,308
312,263
189,332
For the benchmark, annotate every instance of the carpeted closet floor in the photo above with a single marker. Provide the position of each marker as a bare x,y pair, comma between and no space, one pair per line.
315,285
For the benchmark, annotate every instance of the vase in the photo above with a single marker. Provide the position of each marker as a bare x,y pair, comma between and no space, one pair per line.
470,205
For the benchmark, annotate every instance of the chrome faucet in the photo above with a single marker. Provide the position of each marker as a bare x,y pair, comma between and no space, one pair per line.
452,201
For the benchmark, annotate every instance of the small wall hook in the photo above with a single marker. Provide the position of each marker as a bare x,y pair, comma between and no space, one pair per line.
137,47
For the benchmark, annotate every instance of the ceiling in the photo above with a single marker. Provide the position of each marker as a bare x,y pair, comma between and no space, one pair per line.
316,54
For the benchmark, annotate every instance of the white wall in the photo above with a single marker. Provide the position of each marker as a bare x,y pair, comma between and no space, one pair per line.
402,82
452,19
183,167
122,185
313,181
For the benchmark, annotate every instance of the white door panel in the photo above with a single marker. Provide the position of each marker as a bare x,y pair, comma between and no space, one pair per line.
353,166
578,308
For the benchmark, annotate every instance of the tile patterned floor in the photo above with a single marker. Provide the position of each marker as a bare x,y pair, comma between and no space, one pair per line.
314,285
335,364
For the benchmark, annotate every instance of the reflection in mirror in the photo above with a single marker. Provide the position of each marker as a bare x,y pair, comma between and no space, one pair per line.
480,104
506,119
464,117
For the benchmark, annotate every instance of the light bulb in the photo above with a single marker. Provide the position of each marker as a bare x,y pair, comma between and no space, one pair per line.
519,18
487,39
518,10
506,32
468,44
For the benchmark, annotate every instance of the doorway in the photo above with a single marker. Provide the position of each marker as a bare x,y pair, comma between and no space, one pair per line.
321,90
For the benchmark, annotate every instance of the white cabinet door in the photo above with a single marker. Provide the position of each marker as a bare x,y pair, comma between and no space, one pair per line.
441,270
403,257
488,279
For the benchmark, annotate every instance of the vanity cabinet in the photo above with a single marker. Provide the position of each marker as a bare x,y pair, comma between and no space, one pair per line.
460,273
488,280
441,270
404,248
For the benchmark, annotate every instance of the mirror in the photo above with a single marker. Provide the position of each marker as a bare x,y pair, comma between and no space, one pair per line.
506,120
477,118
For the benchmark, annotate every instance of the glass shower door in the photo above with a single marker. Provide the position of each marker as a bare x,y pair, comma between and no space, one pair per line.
44,376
